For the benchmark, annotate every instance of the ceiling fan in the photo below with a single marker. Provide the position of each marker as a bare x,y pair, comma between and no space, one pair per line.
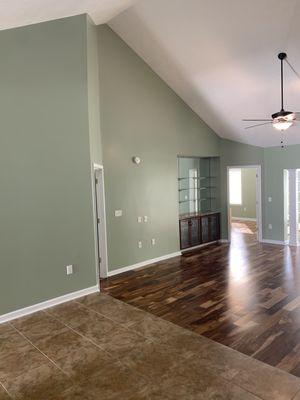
281,120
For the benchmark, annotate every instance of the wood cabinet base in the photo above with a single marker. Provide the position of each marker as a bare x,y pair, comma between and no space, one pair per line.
199,229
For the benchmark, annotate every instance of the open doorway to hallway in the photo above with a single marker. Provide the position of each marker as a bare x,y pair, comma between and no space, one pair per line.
244,202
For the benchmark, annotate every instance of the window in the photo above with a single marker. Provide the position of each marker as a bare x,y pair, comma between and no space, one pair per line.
235,186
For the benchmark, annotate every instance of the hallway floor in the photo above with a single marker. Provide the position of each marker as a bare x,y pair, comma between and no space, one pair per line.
245,295
100,348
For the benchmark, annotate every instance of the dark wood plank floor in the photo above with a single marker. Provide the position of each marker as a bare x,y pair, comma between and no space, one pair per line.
245,295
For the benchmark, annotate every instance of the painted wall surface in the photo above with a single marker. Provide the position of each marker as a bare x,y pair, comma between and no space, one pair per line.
248,207
276,160
273,161
236,154
93,92
141,116
46,219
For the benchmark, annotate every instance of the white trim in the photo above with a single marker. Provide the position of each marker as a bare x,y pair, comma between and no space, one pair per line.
271,241
199,246
243,218
47,304
98,166
143,264
258,199
101,239
224,241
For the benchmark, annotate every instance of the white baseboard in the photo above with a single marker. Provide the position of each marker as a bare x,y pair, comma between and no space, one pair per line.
224,241
47,304
243,218
271,241
143,264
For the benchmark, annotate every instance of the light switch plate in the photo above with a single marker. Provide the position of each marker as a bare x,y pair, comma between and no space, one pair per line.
153,242
139,219
140,245
69,269
270,226
118,213
270,199
145,218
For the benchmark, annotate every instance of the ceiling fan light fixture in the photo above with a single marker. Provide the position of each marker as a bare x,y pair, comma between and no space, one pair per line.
282,125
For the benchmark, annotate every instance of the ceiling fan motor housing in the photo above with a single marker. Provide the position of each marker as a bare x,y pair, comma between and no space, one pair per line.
283,115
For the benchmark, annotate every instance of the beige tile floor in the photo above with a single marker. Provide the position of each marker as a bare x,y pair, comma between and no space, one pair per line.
100,348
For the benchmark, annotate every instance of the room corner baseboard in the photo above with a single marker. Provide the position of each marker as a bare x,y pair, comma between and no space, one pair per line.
271,241
143,264
47,304
243,219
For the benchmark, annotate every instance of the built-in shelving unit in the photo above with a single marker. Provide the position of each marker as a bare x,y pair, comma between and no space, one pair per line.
198,198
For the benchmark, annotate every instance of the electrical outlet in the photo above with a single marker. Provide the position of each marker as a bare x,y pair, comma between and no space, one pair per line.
270,199
270,226
139,219
140,245
118,213
69,269
153,242
145,218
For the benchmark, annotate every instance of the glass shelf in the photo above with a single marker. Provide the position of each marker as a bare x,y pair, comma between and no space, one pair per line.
197,184
187,201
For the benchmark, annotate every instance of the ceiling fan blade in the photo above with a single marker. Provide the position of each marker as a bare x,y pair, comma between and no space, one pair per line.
254,120
253,126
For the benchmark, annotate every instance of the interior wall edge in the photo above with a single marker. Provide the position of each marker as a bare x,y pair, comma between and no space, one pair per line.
47,304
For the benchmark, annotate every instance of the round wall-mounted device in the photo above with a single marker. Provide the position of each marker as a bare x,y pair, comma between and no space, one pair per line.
136,160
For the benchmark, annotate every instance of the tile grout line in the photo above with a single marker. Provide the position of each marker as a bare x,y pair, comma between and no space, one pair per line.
114,359
4,388
78,333
298,392
45,355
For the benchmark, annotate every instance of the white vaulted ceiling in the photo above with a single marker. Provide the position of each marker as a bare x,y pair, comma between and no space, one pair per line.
15,13
220,57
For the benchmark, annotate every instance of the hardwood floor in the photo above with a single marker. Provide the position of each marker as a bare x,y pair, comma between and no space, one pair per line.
245,295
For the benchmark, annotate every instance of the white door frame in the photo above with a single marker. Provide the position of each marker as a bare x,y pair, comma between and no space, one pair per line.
100,225
258,199
293,206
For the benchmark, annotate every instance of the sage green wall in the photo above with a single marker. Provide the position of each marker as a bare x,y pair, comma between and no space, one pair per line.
93,92
248,207
236,154
141,116
273,161
46,205
276,160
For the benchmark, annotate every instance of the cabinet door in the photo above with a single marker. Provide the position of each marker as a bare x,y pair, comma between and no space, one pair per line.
194,228
214,227
184,234
205,229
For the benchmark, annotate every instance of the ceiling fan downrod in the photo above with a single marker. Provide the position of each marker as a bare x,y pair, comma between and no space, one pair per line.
282,57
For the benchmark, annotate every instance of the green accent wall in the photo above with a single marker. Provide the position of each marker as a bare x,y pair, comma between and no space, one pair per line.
273,161
276,160
248,207
46,200
141,116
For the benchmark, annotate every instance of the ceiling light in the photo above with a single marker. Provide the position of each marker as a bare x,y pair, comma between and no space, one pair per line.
282,125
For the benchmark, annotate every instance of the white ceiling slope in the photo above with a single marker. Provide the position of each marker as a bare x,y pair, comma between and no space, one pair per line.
220,57
15,13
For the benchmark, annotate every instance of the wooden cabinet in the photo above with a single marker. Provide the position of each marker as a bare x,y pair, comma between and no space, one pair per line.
199,229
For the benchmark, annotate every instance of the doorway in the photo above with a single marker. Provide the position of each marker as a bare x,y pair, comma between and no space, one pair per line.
100,222
244,202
